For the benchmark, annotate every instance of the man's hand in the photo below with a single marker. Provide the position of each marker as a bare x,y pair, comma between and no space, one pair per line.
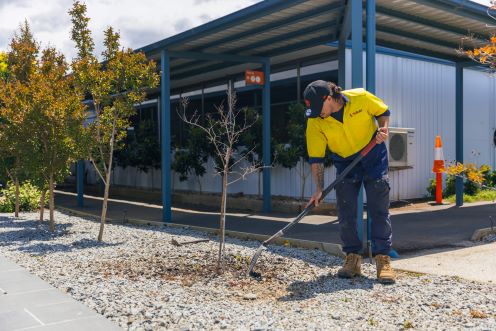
382,135
316,197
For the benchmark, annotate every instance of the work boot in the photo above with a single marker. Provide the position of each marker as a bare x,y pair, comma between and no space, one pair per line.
385,273
351,267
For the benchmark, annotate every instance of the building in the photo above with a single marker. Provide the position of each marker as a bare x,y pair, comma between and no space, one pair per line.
408,58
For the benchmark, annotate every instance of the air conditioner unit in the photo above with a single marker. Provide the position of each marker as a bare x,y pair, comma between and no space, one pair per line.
401,147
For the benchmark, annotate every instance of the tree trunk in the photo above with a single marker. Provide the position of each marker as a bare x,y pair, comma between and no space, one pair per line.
199,184
222,221
105,204
17,198
259,184
42,204
107,185
51,203
303,179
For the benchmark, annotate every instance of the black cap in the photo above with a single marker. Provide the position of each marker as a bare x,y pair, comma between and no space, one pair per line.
314,95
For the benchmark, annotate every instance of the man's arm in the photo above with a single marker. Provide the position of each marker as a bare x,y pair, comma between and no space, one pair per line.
383,121
383,133
318,177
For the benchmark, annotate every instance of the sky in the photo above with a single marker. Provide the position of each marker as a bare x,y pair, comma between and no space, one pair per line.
140,22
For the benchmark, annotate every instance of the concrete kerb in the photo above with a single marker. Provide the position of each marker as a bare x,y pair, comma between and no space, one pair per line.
481,233
329,248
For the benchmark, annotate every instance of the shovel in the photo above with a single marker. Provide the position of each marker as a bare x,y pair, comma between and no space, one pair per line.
281,232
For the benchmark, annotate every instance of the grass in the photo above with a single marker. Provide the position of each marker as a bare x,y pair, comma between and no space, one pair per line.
483,195
407,324
477,314
372,322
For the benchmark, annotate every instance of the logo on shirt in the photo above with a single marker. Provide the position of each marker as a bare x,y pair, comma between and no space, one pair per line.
356,112
308,112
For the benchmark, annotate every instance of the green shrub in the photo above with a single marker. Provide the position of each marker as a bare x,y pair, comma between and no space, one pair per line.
29,196
490,178
470,188
431,188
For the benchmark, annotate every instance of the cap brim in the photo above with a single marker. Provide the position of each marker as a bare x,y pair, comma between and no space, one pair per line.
315,109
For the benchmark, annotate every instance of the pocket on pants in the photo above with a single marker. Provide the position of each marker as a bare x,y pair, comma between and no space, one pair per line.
382,184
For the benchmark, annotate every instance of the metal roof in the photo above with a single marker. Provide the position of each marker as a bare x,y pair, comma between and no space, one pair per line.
290,30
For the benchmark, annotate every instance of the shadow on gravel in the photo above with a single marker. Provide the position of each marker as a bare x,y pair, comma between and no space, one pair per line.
304,290
29,231
43,249
32,230
13,222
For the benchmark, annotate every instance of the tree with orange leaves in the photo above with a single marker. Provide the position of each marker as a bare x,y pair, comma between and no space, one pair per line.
41,117
486,54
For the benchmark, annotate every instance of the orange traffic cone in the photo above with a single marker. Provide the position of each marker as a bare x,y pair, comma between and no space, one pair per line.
438,168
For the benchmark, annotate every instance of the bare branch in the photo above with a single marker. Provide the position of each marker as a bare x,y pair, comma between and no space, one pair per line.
245,172
97,170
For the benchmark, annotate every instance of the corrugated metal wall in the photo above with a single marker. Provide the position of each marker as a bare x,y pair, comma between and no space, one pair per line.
421,95
479,119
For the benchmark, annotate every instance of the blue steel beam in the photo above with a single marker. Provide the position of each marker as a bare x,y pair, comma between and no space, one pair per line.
287,36
166,136
461,8
404,54
217,57
319,58
467,5
290,35
417,50
471,63
282,50
251,13
459,130
267,206
80,183
424,21
345,30
308,15
420,37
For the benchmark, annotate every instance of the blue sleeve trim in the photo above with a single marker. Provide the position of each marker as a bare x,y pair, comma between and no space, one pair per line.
313,160
386,113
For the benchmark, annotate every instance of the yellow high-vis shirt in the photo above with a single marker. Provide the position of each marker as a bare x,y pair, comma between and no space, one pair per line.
349,137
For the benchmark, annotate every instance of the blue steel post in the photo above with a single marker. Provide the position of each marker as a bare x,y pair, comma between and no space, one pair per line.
342,63
166,136
266,138
459,130
343,37
356,44
357,80
371,47
80,183
370,74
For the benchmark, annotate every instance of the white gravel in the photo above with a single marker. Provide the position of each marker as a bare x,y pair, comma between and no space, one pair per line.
138,279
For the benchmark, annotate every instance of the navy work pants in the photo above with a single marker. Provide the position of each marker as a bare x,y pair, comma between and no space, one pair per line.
377,191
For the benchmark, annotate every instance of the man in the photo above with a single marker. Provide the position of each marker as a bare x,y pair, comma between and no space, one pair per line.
345,122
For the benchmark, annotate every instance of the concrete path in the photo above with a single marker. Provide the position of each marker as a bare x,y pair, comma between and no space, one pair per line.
476,263
29,303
